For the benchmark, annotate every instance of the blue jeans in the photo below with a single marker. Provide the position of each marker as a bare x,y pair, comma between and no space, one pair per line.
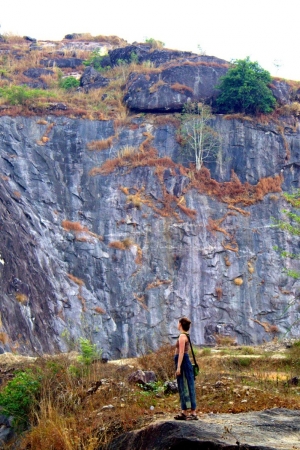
186,384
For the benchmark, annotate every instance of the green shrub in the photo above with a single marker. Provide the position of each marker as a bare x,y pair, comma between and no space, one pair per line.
19,396
69,83
206,351
95,61
21,95
155,44
89,352
245,89
134,58
242,362
248,350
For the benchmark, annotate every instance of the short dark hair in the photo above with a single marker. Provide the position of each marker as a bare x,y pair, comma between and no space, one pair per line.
185,323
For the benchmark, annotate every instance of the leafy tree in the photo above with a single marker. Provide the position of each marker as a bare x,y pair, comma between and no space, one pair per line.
197,137
245,89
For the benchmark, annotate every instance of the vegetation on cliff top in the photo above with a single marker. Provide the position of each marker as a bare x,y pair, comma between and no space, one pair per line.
245,89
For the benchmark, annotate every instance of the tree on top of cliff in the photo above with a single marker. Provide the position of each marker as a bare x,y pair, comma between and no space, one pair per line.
245,89
196,136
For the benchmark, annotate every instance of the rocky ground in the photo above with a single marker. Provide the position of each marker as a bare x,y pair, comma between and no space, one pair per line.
264,430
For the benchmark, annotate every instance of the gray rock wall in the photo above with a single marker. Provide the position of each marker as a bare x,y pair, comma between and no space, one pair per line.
128,301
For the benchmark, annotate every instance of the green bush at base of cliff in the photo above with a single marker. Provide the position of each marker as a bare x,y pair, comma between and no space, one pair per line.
245,89
19,396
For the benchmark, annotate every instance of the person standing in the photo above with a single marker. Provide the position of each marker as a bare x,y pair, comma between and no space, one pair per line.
184,373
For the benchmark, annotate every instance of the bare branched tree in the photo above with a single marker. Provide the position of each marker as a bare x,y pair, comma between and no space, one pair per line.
197,137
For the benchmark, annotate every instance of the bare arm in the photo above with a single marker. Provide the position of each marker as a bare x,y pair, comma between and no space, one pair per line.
182,341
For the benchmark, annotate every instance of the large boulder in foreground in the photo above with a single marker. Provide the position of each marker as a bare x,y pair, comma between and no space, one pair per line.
168,89
266,430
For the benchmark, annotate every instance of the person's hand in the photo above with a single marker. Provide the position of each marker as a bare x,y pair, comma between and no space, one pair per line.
178,372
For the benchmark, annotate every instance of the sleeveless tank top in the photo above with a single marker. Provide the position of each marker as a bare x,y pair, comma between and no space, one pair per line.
186,345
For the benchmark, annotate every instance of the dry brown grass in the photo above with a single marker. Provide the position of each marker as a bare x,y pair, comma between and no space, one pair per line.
145,145
227,262
99,310
240,210
156,86
182,88
214,225
231,245
268,327
192,213
69,413
156,283
161,362
125,244
127,150
4,338
76,280
101,144
139,256
232,192
250,267
73,226
80,231
224,340
21,298
219,292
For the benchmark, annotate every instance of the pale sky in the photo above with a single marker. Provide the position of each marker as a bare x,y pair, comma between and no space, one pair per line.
265,30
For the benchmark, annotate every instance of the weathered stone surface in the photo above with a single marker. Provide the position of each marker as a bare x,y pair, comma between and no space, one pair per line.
173,87
275,429
37,72
91,79
142,377
282,91
62,62
129,305
144,52
73,36
7,433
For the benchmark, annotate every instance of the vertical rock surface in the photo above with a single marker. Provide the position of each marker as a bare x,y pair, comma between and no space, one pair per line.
63,274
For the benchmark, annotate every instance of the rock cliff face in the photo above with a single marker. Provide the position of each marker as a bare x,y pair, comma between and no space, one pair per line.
84,254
